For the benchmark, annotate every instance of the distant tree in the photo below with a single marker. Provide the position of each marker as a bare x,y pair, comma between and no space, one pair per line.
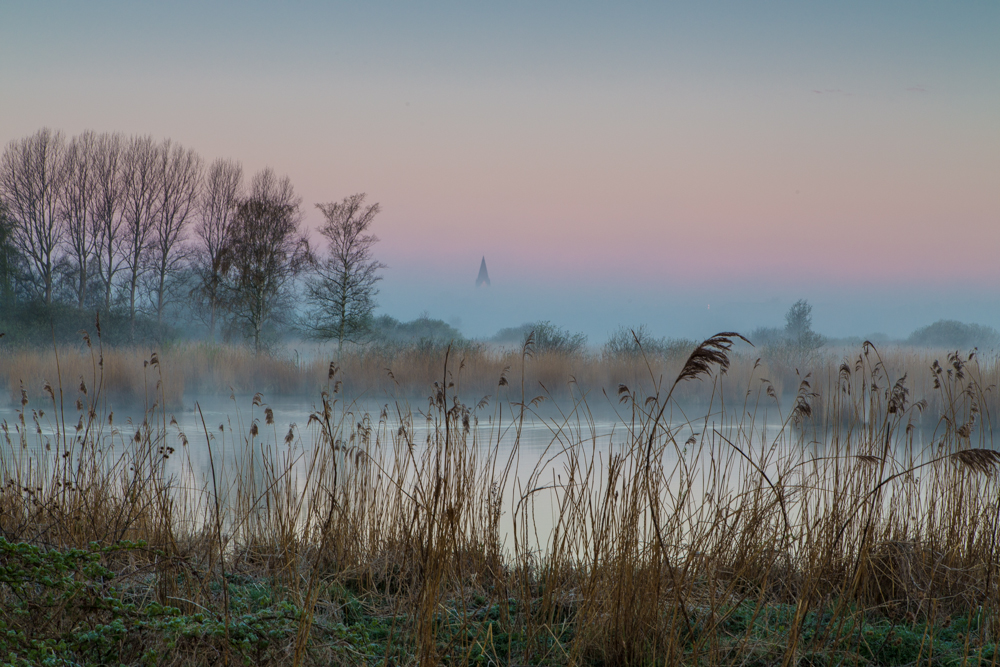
265,251
548,337
343,287
628,343
108,208
422,331
142,185
220,199
513,334
179,176
7,259
76,208
768,337
551,338
955,335
798,327
32,173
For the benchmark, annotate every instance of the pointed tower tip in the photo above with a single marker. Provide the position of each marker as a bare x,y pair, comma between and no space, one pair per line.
484,275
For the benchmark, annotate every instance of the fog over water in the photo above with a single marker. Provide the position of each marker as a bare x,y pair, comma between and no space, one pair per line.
543,438
215,433
681,310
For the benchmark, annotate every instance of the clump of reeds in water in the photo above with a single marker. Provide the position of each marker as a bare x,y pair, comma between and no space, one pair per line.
746,534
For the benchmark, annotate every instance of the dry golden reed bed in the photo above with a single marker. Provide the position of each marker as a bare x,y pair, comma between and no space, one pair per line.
376,539
192,370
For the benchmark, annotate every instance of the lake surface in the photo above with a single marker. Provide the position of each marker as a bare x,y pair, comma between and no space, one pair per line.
216,433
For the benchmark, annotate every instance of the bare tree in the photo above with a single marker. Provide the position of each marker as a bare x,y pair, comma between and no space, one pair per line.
343,288
7,258
266,186
179,179
31,180
108,209
265,251
220,198
76,207
141,189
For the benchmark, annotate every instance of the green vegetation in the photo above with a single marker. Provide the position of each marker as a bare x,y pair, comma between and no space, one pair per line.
71,606
68,606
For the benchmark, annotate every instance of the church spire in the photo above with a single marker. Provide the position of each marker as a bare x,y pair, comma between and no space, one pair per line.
484,275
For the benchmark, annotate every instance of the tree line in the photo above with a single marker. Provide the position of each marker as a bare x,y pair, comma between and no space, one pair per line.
146,230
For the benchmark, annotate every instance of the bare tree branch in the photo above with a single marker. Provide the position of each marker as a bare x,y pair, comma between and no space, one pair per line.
76,208
142,186
265,251
108,209
220,199
179,177
32,174
343,288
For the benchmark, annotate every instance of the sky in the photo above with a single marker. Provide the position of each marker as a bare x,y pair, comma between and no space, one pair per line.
693,166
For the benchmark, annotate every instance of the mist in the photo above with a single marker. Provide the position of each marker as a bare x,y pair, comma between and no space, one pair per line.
682,309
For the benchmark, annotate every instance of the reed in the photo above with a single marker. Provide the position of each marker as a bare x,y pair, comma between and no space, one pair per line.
191,371
417,535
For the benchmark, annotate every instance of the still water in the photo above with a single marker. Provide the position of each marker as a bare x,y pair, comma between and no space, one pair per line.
213,444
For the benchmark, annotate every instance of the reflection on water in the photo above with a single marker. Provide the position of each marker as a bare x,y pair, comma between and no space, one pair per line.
237,447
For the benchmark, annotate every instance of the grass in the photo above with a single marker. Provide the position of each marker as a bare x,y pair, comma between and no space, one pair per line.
416,537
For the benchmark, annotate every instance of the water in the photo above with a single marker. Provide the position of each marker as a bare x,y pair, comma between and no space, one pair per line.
213,432
209,447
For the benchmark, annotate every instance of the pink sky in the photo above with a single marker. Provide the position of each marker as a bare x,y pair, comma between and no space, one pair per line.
670,145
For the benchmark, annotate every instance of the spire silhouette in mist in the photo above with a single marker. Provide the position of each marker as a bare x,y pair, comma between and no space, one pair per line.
484,275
